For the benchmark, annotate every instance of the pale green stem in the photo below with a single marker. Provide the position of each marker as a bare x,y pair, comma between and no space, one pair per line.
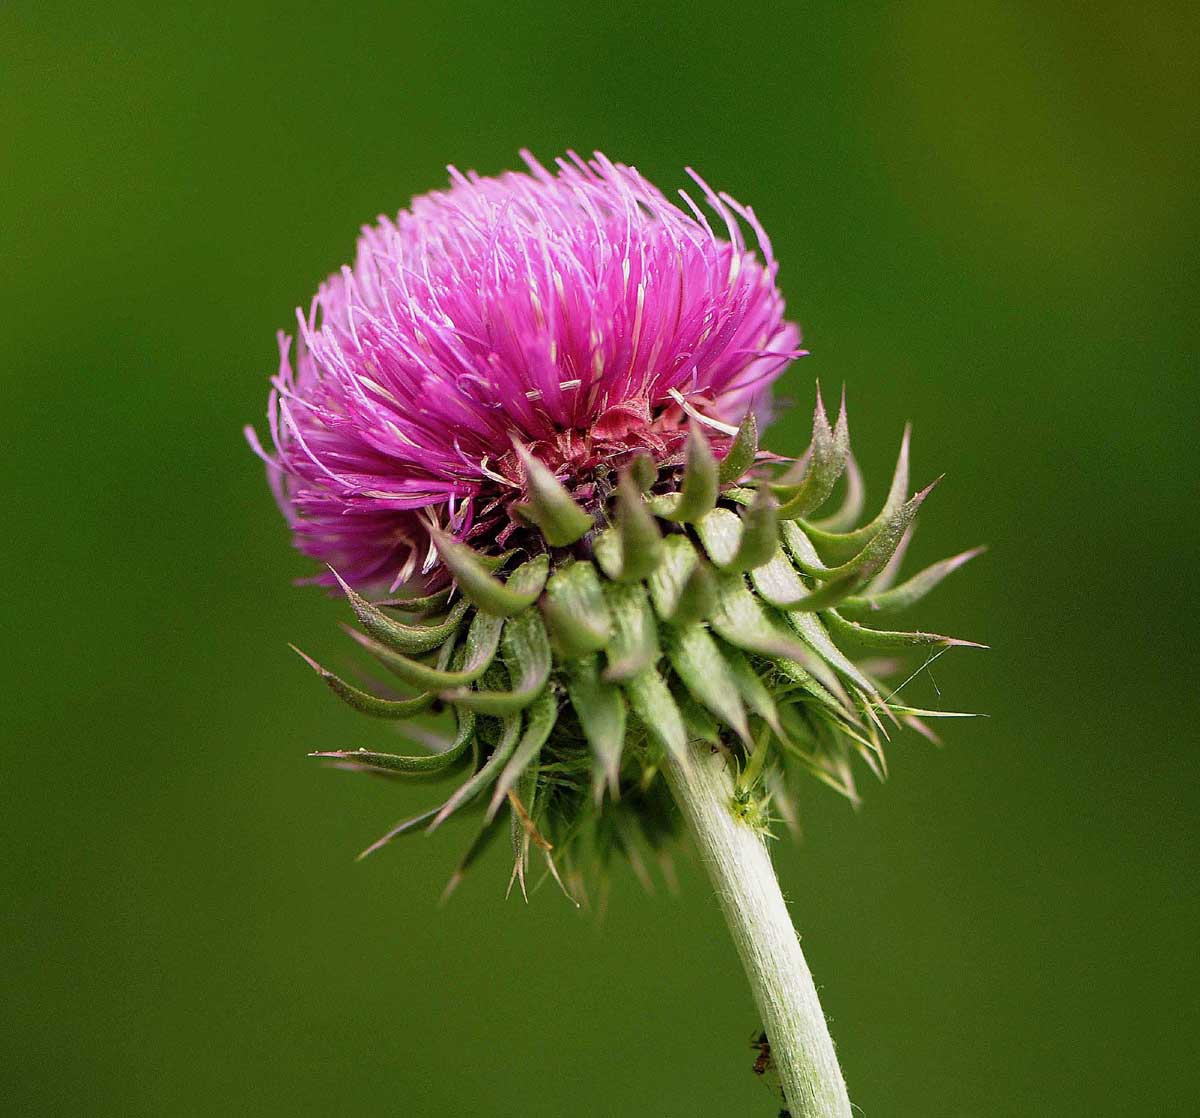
748,891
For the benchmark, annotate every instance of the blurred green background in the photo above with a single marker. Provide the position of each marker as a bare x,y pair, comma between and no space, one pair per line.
986,217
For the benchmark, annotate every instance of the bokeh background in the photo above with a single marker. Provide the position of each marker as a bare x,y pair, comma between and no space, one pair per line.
986,216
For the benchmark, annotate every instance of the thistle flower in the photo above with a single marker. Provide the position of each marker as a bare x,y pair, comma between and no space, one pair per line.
577,314
521,433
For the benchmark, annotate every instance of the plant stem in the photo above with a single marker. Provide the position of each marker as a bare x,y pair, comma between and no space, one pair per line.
737,861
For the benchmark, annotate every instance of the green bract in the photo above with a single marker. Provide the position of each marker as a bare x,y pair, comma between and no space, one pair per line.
704,606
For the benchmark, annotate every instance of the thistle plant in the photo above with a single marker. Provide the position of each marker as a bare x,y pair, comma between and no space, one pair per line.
522,435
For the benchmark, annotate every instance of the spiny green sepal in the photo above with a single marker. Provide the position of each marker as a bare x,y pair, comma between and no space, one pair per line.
550,506
807,492
698,491
482,589
742,452
575,611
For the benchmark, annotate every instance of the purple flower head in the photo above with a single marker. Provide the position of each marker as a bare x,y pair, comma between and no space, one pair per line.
577,313
534,402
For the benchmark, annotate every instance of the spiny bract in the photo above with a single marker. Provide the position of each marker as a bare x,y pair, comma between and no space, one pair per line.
516,409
